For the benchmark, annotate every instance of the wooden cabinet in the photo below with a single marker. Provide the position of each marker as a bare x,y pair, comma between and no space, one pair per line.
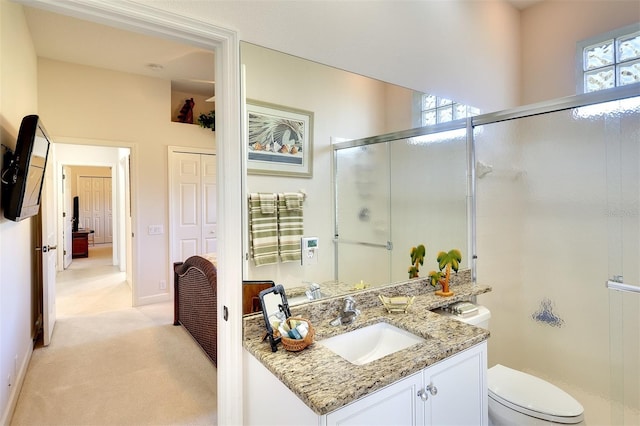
451,392
80,244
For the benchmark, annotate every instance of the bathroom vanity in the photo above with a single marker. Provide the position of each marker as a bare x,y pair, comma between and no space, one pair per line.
439,380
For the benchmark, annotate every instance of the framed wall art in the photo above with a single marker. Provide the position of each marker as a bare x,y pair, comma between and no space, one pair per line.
280,140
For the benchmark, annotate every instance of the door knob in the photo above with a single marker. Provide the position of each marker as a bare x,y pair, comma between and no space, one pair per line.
424,396
433,390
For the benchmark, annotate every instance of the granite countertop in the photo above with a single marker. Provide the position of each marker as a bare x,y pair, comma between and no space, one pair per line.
326,381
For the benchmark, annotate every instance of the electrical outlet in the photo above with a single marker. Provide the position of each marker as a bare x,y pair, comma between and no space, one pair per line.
162,285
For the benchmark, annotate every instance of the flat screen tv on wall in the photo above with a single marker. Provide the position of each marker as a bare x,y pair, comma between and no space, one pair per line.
23,178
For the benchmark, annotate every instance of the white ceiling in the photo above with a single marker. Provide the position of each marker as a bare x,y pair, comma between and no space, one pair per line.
59,37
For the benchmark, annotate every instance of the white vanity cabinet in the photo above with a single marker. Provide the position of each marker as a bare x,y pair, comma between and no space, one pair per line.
451,392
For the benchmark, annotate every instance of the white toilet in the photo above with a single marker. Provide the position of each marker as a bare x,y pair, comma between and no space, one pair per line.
517,398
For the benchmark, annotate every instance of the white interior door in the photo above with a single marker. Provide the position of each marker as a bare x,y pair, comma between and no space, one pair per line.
108,210
49,245
97,209
186,189
209,204
84,191
68,216
193,204
186,207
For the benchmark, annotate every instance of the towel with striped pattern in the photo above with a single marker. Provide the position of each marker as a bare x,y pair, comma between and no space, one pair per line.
263,232
290,226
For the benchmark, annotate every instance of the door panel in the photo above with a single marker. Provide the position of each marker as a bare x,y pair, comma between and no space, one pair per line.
194,205
49,256
85,191
187,194
68,219
209,204
108,211
97,209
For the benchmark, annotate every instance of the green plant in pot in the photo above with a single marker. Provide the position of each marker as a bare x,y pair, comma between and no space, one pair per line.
417,259
208,121
447,261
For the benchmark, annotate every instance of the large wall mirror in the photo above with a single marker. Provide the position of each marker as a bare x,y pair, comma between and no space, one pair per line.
405,193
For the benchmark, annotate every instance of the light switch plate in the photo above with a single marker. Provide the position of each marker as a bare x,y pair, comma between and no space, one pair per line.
156,229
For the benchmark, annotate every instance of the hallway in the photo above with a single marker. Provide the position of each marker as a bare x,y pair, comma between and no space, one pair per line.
111,364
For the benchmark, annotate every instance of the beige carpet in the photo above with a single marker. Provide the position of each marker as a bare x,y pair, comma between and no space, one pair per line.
110,364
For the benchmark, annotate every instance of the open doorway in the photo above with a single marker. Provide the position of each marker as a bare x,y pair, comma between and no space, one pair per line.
93,200
225,44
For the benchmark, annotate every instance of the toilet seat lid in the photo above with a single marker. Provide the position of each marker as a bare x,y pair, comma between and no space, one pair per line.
532,396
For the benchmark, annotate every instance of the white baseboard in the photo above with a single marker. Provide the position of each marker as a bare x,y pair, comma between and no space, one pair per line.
16,388
156,298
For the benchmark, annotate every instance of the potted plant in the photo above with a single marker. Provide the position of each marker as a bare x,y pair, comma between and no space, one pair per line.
208,121
417,258
449,260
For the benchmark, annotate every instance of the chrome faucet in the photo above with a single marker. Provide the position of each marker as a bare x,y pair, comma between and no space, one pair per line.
349,312
313,293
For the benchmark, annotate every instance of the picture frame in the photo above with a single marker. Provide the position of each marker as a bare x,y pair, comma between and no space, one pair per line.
280,140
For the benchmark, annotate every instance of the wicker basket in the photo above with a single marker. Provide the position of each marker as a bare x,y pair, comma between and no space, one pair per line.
295,345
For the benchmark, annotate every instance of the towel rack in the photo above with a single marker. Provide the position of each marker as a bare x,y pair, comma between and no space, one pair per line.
302,192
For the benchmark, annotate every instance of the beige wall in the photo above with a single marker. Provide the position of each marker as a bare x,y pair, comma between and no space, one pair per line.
550,31
466,50
121,109
18,97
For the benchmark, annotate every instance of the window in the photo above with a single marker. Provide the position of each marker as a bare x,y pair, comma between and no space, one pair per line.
609,60
435,110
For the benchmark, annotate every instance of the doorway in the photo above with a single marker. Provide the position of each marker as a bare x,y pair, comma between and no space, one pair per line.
230,171
76,165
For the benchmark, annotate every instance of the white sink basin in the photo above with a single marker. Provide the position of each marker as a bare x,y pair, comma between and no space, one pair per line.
369,343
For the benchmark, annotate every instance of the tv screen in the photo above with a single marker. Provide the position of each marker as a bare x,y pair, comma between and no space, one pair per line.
24,177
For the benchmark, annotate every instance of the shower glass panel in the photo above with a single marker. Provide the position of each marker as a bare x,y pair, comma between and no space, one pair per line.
428,198
557,218
395,192
621,120
362,214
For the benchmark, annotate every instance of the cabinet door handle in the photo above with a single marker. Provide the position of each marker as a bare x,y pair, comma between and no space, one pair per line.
424,396
433,390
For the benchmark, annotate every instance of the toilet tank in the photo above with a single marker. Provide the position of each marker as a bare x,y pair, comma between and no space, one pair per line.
467,312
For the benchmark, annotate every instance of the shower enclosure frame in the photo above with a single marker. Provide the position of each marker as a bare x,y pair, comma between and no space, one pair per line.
617,288
469,124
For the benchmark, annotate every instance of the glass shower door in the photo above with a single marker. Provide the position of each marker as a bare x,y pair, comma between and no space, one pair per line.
362,215
428,199
622,132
